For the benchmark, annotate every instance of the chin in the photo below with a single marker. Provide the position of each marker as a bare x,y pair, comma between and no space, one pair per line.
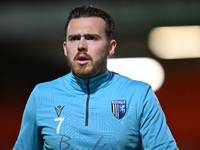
83,72
89,70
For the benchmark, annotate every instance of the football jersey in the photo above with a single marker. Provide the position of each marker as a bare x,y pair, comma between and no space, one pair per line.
107,112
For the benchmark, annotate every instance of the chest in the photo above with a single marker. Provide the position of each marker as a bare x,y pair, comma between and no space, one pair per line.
62,121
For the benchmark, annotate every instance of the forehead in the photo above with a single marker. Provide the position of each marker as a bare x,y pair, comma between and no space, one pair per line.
92,25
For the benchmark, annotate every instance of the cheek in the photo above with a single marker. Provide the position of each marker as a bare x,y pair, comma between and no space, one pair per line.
99,50
71,56
102,52
70,52
96,55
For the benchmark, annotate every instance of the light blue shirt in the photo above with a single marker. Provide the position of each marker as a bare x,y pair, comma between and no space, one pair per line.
109,111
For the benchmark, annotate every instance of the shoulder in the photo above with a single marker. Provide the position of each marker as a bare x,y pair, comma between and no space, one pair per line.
45,92
57,83
128,82
132,89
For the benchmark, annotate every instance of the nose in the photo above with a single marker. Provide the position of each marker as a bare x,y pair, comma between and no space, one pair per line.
82,46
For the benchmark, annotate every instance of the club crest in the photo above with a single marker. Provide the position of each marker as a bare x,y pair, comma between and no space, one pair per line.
119,108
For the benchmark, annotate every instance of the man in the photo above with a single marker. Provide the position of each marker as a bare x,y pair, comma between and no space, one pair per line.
91,107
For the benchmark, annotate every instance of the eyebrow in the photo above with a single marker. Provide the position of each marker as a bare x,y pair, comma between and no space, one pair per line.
84,35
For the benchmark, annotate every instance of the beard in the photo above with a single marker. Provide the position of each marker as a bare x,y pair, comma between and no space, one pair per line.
91,69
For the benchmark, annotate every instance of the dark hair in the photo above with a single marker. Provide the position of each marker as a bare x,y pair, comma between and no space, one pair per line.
84,12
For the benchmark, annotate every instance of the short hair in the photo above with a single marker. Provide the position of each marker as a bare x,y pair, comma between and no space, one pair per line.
84,12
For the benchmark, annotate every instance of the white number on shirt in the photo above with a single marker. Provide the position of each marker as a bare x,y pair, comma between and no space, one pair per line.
59,124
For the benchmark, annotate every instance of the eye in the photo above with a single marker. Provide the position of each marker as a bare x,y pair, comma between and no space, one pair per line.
91,37
74,38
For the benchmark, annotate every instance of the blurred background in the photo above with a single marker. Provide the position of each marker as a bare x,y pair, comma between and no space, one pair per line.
31,37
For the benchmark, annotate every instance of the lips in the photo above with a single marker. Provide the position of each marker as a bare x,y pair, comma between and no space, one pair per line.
82,59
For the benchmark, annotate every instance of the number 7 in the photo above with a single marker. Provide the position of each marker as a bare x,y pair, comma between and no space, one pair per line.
59,124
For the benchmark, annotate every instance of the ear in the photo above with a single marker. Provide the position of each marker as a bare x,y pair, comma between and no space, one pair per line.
65,48
112,47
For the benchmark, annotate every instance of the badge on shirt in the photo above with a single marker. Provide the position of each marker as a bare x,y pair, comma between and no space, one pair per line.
119,108
59,110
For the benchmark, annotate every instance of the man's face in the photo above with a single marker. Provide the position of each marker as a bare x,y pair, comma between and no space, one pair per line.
87,47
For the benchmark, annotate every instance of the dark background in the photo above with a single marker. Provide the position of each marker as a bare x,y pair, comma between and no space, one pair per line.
31,36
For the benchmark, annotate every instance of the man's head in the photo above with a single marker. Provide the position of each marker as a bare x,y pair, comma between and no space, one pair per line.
89,40
85,12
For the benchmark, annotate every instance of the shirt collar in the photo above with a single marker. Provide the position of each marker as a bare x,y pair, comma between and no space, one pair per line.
93,84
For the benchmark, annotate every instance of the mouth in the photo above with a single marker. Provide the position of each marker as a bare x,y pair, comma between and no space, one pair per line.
82,59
